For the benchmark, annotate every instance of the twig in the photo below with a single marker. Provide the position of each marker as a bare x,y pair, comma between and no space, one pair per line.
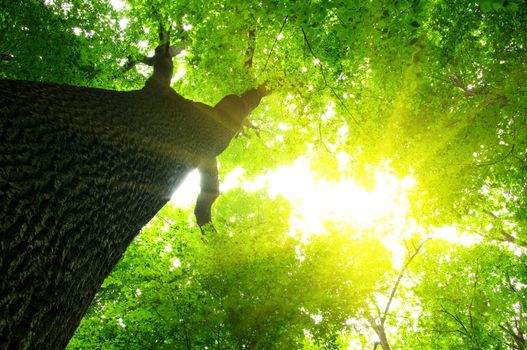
399,278
471,305
274,43
464,330
322,137
500,159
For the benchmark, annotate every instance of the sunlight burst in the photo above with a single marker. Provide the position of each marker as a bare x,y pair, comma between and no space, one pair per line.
318,201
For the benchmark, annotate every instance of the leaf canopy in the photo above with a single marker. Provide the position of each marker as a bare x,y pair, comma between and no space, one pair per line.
432,90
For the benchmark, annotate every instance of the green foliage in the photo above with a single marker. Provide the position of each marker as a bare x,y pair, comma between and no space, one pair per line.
248,284
472,296
431,89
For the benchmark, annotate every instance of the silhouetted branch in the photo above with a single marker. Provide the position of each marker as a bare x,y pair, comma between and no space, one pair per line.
515,333
322,137
164,39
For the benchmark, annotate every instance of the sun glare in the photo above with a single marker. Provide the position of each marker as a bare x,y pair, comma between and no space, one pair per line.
317,201
187,192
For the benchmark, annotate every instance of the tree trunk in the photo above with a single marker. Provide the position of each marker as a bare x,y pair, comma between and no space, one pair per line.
81,172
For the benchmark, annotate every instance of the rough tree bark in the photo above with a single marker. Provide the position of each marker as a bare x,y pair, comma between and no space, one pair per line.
82,170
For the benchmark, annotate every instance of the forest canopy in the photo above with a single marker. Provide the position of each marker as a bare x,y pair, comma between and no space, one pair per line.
378,197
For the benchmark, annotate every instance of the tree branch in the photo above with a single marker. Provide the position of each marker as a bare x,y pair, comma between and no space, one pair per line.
498,160
518,338
381,333
457,319
507,237
163,54
382,315
250,48
322,137
274,43
470,306
468,91
399,278
209,191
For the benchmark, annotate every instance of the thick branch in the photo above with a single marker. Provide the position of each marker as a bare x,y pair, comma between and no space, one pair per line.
381,333
209,191
162,60
238,108
173,51
163,65
232,111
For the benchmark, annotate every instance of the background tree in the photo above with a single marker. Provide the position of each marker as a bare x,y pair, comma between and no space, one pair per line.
471,297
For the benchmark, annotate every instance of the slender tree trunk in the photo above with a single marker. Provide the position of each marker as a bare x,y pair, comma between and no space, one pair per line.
381,333
81,172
